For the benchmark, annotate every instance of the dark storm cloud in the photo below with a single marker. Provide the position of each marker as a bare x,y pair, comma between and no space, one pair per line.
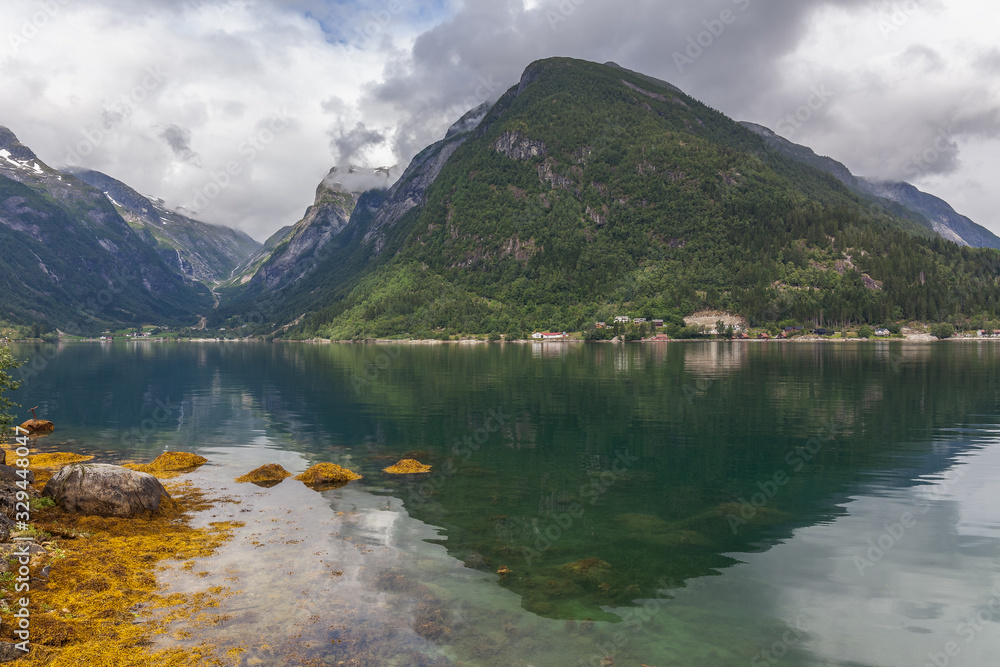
179,140
350,145
724,51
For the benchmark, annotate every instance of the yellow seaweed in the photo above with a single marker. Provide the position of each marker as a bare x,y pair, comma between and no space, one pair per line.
407,467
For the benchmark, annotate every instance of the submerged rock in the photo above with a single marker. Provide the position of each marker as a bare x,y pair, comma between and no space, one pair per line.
587,568
407,467
266,476
105,490
327,475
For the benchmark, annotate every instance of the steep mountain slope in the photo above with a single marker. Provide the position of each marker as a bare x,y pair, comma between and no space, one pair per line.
70,261
293,252
943,218
310,266
196,250
930,211
589,191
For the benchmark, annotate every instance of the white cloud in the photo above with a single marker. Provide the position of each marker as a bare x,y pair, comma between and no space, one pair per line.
898,72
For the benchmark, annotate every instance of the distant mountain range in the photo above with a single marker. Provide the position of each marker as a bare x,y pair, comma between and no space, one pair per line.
196,250
586,191
70,262
930,211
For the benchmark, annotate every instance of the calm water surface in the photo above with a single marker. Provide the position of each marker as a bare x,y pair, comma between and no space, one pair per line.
660,504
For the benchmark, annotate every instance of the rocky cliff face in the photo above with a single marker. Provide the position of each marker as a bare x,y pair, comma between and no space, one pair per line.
410,191
196,250
294,252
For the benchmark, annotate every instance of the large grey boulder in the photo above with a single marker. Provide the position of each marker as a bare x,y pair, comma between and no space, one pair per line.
107,490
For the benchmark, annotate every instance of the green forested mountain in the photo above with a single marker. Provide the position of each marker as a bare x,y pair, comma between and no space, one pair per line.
589,191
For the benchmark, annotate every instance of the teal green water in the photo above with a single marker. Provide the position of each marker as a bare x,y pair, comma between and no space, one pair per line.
659,504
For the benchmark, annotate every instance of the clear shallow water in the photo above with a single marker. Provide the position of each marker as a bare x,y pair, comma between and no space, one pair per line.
638,464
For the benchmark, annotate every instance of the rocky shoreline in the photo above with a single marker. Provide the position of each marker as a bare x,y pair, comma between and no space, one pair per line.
78,578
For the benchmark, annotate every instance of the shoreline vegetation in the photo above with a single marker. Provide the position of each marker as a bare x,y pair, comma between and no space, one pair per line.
913,336
702,326
94,595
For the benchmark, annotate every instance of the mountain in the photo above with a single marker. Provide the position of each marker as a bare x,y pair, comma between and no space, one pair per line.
932,212
341,235
196,250
943,218
293,252
588,191
71,262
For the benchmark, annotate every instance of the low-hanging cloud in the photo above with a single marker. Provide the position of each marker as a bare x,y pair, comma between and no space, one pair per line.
352,144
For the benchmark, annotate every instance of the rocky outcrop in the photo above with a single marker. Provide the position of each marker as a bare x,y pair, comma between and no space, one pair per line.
37,426
105,490
516,146
266,476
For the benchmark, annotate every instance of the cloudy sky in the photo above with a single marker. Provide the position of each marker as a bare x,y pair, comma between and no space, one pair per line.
236,109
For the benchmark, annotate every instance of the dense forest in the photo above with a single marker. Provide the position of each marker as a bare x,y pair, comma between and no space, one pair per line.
589,192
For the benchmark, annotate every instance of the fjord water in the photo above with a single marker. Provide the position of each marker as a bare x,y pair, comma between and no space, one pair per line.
662,504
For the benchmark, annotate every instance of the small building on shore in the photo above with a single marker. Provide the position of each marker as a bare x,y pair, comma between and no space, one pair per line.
538,335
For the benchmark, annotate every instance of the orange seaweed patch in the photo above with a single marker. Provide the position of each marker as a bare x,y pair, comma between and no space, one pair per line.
407,467
56,459
169,464
327,475
266,475
103,576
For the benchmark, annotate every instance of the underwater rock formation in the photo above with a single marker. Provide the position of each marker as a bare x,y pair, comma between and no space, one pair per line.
105,490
